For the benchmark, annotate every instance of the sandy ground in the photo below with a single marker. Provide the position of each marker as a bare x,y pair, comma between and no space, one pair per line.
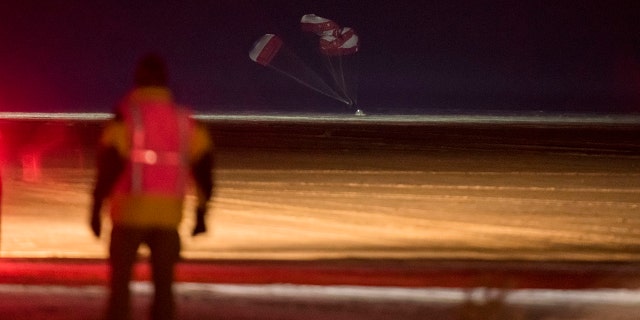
475,205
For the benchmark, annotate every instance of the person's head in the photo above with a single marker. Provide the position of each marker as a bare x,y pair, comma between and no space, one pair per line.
150,71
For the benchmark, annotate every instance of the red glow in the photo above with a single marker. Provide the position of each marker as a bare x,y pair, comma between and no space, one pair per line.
3,157
31,167
45,139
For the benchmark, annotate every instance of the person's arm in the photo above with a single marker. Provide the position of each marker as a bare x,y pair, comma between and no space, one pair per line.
202,172
110,165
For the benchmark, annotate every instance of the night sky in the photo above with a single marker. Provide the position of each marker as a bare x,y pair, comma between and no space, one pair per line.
415,57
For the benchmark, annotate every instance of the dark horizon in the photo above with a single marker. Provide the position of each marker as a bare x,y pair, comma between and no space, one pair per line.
478,57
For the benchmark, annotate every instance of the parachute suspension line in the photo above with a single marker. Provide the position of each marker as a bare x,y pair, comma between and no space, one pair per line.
271,52
335,42
354,89
338,74
343,82
327,91
334,76
350,78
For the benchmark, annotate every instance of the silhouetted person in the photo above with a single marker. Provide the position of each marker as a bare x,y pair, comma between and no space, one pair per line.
146,156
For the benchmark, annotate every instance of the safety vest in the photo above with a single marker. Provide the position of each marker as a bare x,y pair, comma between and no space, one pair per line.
158,160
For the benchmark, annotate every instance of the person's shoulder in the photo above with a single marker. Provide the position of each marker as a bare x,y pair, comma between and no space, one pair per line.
201,131
114,131
114,124
142,95
153,93
201,138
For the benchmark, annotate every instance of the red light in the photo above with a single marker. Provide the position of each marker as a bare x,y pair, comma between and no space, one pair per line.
31,167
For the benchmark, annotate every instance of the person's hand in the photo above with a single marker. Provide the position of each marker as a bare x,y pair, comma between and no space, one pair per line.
96,220
201,226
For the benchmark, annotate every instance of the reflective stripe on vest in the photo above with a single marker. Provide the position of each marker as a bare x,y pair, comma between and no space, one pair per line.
144,159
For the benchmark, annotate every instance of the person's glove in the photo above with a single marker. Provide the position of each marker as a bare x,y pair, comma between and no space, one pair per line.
201,226
96,219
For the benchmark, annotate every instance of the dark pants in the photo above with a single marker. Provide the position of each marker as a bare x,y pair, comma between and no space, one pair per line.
164,245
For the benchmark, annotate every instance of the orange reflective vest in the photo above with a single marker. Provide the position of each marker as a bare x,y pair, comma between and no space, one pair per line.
158,160
159,144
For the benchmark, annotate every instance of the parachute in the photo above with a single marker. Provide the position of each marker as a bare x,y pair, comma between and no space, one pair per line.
337,46
265,49
334,40
271,52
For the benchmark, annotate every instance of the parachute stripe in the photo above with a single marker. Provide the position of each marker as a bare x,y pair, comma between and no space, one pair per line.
265,49
334,40
345,42
317,25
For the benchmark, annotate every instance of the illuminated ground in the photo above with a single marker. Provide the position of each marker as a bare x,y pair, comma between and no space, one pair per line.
448,198
305,214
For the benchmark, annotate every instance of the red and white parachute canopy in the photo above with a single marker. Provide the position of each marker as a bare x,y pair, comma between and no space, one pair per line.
265,49
334,40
